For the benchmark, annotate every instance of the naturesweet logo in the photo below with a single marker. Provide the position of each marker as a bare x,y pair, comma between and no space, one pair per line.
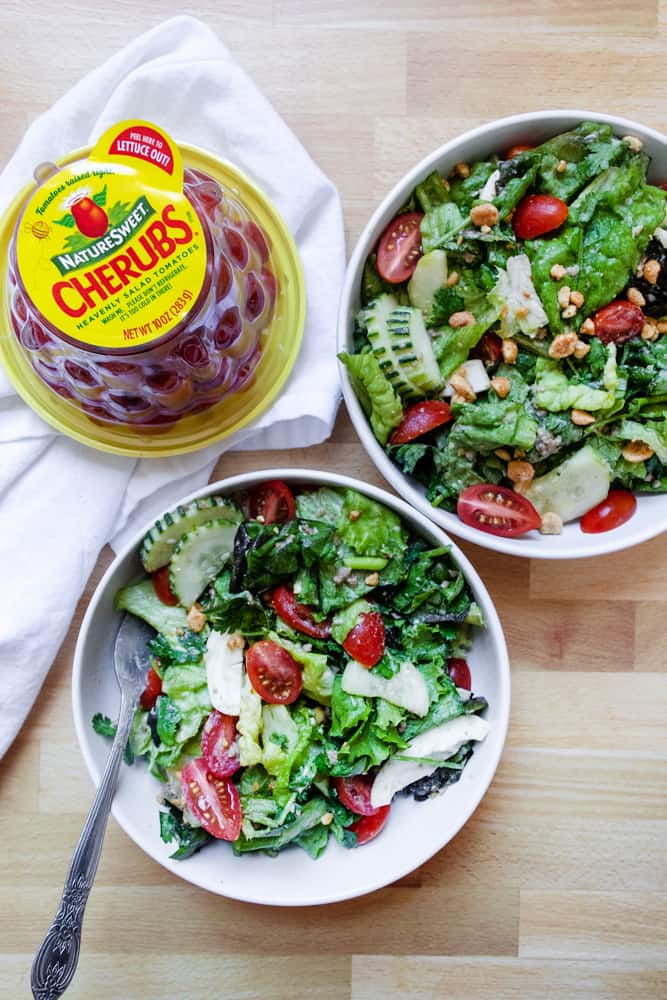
92,221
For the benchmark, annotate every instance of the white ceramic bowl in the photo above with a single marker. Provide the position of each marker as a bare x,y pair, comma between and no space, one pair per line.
535,127
415,831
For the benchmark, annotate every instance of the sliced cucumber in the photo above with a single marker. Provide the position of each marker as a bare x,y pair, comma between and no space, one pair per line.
413,350
141,600
158,546
198,558
430,275
573,487
375,318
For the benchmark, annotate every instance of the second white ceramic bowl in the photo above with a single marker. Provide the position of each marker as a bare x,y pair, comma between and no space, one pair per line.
533,128
415,831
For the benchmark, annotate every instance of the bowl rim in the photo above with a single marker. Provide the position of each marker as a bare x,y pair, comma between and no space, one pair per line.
531,548
426,527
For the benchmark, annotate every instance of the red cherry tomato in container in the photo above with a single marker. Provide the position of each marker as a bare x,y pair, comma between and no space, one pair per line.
214,802
617,508
150,693
400,248
497,510
619,321
273,672
272,501
355,794
420,419
220,744
459,671
369,826
298,615
537,214
162,587
365,643
517,150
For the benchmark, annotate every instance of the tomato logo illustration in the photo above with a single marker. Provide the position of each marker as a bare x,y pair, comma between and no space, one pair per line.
91,220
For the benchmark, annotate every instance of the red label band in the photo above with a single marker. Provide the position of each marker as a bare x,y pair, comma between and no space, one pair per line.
144,143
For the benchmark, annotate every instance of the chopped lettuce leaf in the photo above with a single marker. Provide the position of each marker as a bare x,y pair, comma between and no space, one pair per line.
555,392
520,307
375,392
652,433
376,531
249,725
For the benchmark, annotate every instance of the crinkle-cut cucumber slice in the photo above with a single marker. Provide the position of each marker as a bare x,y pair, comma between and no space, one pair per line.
375,318
412,348
198,558
158,546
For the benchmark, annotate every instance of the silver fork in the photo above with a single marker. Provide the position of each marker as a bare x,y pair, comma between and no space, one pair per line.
56,961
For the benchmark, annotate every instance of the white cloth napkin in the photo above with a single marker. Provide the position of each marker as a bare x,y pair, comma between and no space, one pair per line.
60,501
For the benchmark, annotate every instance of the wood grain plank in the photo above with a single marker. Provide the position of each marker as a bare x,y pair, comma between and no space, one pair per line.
421,978
622,576
650,636
187,976
486,919
625,926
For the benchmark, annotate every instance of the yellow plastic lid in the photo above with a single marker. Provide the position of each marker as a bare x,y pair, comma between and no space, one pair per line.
38,241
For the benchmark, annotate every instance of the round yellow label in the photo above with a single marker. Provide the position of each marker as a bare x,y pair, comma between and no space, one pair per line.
109,249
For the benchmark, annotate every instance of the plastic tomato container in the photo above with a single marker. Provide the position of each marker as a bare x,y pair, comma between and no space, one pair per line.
153,298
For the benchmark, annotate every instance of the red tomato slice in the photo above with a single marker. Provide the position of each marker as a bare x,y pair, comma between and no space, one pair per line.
459,671
214,802
298,615
497,510
273,501
517,150
162,587
619,321
617,508
274,674
489,349
420,419
355,794
537,214
369,826
400,248
220,744
366,642
151,691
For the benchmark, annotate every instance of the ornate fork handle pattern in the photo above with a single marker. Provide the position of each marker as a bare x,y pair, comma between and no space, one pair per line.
57,958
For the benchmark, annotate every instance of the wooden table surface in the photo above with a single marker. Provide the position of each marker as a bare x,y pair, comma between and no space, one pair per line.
558,885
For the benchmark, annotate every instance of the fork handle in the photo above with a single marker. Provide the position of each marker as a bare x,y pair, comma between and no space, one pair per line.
56,961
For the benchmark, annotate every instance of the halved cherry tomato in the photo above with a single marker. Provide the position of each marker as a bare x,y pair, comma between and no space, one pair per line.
299,616
162,587
274,674
355,793
489,349
369,826
220,744
400,248
617,508
537,214
459,671
273,501
153,688
619,321
420,419
497,510
517,150
365,643
214,802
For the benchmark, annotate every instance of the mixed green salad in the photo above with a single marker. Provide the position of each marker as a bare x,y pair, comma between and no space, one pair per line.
308,664
510,350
